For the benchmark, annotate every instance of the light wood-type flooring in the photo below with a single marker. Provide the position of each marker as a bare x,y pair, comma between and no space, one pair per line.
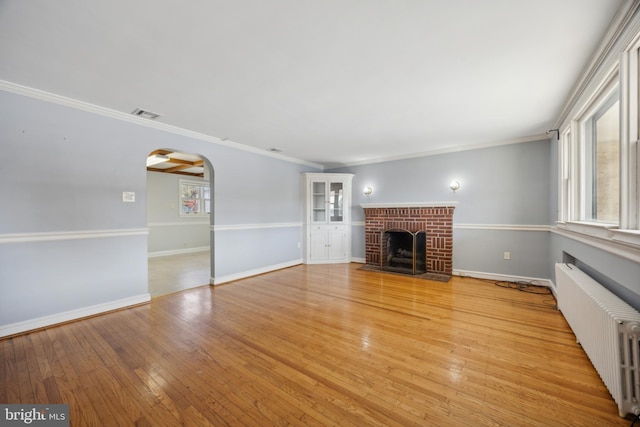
316,345
173,273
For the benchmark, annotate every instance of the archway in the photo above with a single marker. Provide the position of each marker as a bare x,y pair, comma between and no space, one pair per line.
180,220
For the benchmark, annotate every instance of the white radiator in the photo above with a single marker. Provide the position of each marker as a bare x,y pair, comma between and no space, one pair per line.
608,330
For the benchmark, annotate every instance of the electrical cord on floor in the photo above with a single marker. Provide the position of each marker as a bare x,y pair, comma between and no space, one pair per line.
635,419
523,286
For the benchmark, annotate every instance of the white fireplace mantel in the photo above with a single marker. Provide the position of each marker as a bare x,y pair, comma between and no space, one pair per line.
449,204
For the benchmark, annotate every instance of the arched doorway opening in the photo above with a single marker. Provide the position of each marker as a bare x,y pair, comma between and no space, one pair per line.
180,220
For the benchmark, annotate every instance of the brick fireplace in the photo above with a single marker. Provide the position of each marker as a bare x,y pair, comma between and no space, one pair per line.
434,218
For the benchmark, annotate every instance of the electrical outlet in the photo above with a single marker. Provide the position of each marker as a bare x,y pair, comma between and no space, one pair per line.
507,255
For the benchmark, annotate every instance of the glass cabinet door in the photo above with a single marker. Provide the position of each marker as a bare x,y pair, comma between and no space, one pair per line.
318,201
327,205
336,207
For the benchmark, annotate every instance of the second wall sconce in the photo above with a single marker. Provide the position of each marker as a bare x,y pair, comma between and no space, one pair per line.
455,185
367,191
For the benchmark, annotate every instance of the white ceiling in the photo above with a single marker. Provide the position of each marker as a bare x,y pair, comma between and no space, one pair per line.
327,81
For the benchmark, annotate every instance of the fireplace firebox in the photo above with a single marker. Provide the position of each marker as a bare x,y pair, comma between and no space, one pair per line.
403,251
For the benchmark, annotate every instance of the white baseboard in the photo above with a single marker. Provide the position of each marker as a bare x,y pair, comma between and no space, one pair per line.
179,251
254,272
359,260
54,319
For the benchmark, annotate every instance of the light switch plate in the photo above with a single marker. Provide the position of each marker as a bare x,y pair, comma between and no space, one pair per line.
128,196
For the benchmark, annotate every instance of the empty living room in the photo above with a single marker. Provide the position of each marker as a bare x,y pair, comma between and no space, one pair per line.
388,213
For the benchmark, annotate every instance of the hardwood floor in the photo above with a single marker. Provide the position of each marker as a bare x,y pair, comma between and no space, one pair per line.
317,345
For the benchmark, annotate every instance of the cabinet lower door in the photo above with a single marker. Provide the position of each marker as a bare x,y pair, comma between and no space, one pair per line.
319,245
337,245
328,245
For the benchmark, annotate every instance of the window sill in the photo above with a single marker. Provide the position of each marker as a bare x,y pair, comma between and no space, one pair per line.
602,231
628,237
608,233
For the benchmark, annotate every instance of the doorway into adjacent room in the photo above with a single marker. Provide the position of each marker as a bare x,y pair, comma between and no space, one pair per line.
179,218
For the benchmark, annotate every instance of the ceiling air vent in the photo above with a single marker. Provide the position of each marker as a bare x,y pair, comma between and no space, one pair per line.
144,113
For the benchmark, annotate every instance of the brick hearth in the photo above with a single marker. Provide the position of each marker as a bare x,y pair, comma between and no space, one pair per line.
435,219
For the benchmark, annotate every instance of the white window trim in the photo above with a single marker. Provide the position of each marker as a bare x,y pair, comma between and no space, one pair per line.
566,165
625,244
629,136
626,76
192,182
572,192
608,92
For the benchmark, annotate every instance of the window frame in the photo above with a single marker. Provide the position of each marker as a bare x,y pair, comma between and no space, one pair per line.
607,97
574,151
201,186
623,76
630,136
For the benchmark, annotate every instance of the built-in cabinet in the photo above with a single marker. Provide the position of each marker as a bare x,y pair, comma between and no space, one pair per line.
327,217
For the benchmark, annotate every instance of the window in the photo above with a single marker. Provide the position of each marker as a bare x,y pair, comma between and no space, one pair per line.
602,163
195,198
590,160
630,156
598,151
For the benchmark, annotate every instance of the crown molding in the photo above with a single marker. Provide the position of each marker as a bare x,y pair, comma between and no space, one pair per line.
456,149
130,118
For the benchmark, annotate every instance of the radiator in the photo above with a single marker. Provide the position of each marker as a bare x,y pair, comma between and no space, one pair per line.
608,330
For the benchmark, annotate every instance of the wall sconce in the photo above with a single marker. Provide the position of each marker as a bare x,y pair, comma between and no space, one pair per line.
455,185
367,191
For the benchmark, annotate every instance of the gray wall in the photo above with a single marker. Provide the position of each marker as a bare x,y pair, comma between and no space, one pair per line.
504,192
169,232
67,241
